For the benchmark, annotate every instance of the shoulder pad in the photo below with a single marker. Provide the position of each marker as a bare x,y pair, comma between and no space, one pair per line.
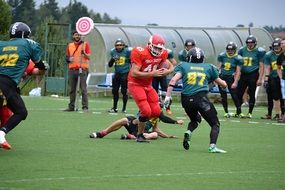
261,49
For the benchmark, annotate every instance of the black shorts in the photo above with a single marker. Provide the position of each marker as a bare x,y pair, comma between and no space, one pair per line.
131,128
199,103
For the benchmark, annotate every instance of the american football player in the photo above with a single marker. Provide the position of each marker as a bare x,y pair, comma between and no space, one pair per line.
151,131
120,58
229,65
145,61
196,76
16,54
5,112
272,81
183,54
251,71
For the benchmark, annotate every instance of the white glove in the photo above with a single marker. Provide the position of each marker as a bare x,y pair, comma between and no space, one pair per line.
46,65
167,101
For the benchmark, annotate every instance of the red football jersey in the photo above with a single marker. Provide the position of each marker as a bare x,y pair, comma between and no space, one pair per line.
143,58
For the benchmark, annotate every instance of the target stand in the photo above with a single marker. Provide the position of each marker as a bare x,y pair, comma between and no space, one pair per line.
84,25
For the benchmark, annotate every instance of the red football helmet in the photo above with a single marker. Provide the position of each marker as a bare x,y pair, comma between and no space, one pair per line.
156,45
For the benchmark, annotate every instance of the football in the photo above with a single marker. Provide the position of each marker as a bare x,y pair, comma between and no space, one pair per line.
164,65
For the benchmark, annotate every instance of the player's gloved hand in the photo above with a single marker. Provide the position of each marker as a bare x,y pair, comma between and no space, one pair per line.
42,65
265,84
116,57
167,101
46,65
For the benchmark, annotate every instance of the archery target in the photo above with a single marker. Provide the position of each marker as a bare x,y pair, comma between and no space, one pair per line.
84,25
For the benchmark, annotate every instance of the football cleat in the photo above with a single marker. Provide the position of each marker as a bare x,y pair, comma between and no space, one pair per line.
113,110
266,117
227,115
241,115
276,117
123,136
141,139
214,149
186,140
96,135
5,145
249,115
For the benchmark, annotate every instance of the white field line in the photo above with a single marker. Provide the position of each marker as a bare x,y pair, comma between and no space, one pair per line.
140,175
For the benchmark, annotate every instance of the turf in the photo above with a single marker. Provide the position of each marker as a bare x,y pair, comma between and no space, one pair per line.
52,150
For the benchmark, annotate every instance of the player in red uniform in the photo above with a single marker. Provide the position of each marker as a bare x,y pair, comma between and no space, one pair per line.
147,62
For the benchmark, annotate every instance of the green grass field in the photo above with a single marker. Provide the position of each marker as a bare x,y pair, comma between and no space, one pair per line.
52,150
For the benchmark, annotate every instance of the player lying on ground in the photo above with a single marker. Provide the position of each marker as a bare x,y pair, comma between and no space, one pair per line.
131,125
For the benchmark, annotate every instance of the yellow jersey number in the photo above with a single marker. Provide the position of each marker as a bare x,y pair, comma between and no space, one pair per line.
196,78
227,66
247,61
121,61
9,60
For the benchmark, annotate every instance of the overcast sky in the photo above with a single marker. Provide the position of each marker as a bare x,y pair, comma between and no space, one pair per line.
201,13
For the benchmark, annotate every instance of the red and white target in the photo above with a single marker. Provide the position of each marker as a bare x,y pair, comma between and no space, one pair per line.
84,25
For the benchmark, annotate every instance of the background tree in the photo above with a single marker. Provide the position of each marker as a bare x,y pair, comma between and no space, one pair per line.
5,20
73,12
24,11
49,9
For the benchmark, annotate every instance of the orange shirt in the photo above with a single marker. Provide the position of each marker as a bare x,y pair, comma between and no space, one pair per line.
75,56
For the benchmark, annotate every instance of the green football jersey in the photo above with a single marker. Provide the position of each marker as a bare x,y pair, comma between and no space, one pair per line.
122,63
270,59
251,59
229,63
15,55
196,76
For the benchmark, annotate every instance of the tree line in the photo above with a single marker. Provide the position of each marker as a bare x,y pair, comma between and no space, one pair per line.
47,12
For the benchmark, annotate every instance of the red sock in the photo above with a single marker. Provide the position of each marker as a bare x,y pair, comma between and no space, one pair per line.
103,133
